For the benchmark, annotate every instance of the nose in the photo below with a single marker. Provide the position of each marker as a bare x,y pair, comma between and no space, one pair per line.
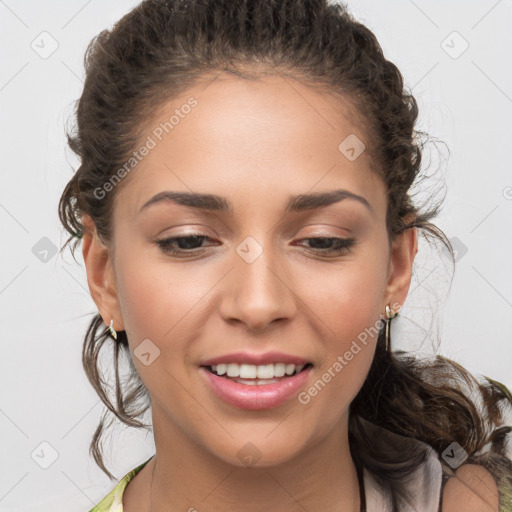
257,294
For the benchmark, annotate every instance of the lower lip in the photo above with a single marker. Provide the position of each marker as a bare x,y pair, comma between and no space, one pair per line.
264,396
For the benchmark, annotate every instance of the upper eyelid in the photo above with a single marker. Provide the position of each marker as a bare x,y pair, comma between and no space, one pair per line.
322,230
351,241
348,239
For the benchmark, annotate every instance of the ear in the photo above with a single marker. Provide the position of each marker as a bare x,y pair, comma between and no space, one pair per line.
100,275
403,250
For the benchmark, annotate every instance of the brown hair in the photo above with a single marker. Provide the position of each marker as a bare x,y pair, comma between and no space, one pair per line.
162,47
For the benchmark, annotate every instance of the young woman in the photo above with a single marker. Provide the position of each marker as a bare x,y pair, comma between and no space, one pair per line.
246,225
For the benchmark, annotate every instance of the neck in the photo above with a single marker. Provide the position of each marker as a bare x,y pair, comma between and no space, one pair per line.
185,476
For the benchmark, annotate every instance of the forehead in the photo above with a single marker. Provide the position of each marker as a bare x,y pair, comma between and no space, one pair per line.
238,137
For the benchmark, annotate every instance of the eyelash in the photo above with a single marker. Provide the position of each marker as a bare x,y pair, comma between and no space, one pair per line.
344,245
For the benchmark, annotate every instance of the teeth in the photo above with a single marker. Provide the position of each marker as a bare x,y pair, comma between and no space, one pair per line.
256,381
250,371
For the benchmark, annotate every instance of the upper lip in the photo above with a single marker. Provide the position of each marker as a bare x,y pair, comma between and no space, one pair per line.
272,357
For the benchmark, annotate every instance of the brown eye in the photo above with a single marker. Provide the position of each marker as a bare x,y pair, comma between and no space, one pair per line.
331,245
182,244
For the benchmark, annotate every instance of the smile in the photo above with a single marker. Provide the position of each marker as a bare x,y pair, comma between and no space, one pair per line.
256,387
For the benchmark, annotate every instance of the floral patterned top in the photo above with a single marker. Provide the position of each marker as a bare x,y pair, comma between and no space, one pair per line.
113,501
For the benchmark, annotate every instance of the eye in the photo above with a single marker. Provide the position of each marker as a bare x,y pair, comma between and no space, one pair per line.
191,244
331,245
187,244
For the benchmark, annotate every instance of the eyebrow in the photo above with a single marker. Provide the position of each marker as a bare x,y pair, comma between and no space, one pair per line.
220,204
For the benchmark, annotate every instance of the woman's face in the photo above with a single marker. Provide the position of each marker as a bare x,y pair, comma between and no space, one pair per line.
258,280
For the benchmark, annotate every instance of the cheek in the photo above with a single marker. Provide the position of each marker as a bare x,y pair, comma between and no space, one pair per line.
156,296
347,304
162,303
347,298
152,302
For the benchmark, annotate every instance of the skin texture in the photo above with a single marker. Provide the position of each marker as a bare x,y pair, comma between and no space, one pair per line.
472,489
256,143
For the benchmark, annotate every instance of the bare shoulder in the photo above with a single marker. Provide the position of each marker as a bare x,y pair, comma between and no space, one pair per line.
472,489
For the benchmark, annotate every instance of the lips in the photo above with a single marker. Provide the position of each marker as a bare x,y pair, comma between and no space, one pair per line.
256,397
272,357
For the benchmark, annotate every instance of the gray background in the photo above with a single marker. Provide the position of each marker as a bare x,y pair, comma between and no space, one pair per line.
465,100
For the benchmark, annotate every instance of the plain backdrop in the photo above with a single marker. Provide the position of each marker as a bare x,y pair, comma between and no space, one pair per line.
455,56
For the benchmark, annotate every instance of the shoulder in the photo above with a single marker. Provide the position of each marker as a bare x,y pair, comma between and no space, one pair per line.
472,489
113,501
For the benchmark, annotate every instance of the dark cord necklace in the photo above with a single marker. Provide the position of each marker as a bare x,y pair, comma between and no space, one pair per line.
362,494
